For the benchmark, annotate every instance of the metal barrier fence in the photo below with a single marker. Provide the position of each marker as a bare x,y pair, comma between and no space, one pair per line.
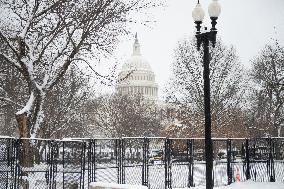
154,162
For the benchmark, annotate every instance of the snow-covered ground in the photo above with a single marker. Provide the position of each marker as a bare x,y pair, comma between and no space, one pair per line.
133,176
97,185
249,185
238,185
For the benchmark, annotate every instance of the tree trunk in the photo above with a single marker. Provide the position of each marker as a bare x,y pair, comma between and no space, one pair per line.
22,120
25,148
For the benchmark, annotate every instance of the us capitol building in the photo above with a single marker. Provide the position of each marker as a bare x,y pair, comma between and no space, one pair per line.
137,77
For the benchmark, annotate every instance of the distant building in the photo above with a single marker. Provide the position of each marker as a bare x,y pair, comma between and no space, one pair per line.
137,77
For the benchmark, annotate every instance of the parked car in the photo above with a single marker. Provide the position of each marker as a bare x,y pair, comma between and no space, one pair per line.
156,156
180,157
222,153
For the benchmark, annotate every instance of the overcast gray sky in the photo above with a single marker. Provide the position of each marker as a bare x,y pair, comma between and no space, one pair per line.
246,24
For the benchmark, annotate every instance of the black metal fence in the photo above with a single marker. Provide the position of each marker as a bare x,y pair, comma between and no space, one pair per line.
155,162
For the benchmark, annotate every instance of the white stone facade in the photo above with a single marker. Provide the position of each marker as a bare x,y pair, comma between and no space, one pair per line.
137,77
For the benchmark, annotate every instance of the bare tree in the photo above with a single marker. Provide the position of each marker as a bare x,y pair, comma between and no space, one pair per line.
41,39
186,87
12,91
64,105
125,116
268,91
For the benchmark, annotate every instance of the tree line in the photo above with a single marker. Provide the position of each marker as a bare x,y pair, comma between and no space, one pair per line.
245,102
44,92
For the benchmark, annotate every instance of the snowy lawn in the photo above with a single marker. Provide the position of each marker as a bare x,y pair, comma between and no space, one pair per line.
249,185
101,185
238,185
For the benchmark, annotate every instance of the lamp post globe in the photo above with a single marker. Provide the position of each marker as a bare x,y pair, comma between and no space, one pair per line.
198,13
214,9
198,16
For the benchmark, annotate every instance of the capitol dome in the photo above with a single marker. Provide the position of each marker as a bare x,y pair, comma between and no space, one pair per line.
137,62
136,76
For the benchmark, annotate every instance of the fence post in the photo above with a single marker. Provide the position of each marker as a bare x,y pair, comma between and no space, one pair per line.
83,165
120,158
247,160
16,172
122,161
145,169
229,161
190,162
14,162
8,160
271,160
92,161
168,173
63,162
51,160
56,156
48,174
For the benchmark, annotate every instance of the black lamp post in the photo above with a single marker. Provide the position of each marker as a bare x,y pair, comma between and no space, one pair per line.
204,38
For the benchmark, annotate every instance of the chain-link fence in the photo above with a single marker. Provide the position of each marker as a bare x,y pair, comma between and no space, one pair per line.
154,162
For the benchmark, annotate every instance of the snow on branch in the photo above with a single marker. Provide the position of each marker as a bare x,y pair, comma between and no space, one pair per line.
9,44
14,63
28,106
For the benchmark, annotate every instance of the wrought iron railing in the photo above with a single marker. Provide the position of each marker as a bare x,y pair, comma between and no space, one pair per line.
154,162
